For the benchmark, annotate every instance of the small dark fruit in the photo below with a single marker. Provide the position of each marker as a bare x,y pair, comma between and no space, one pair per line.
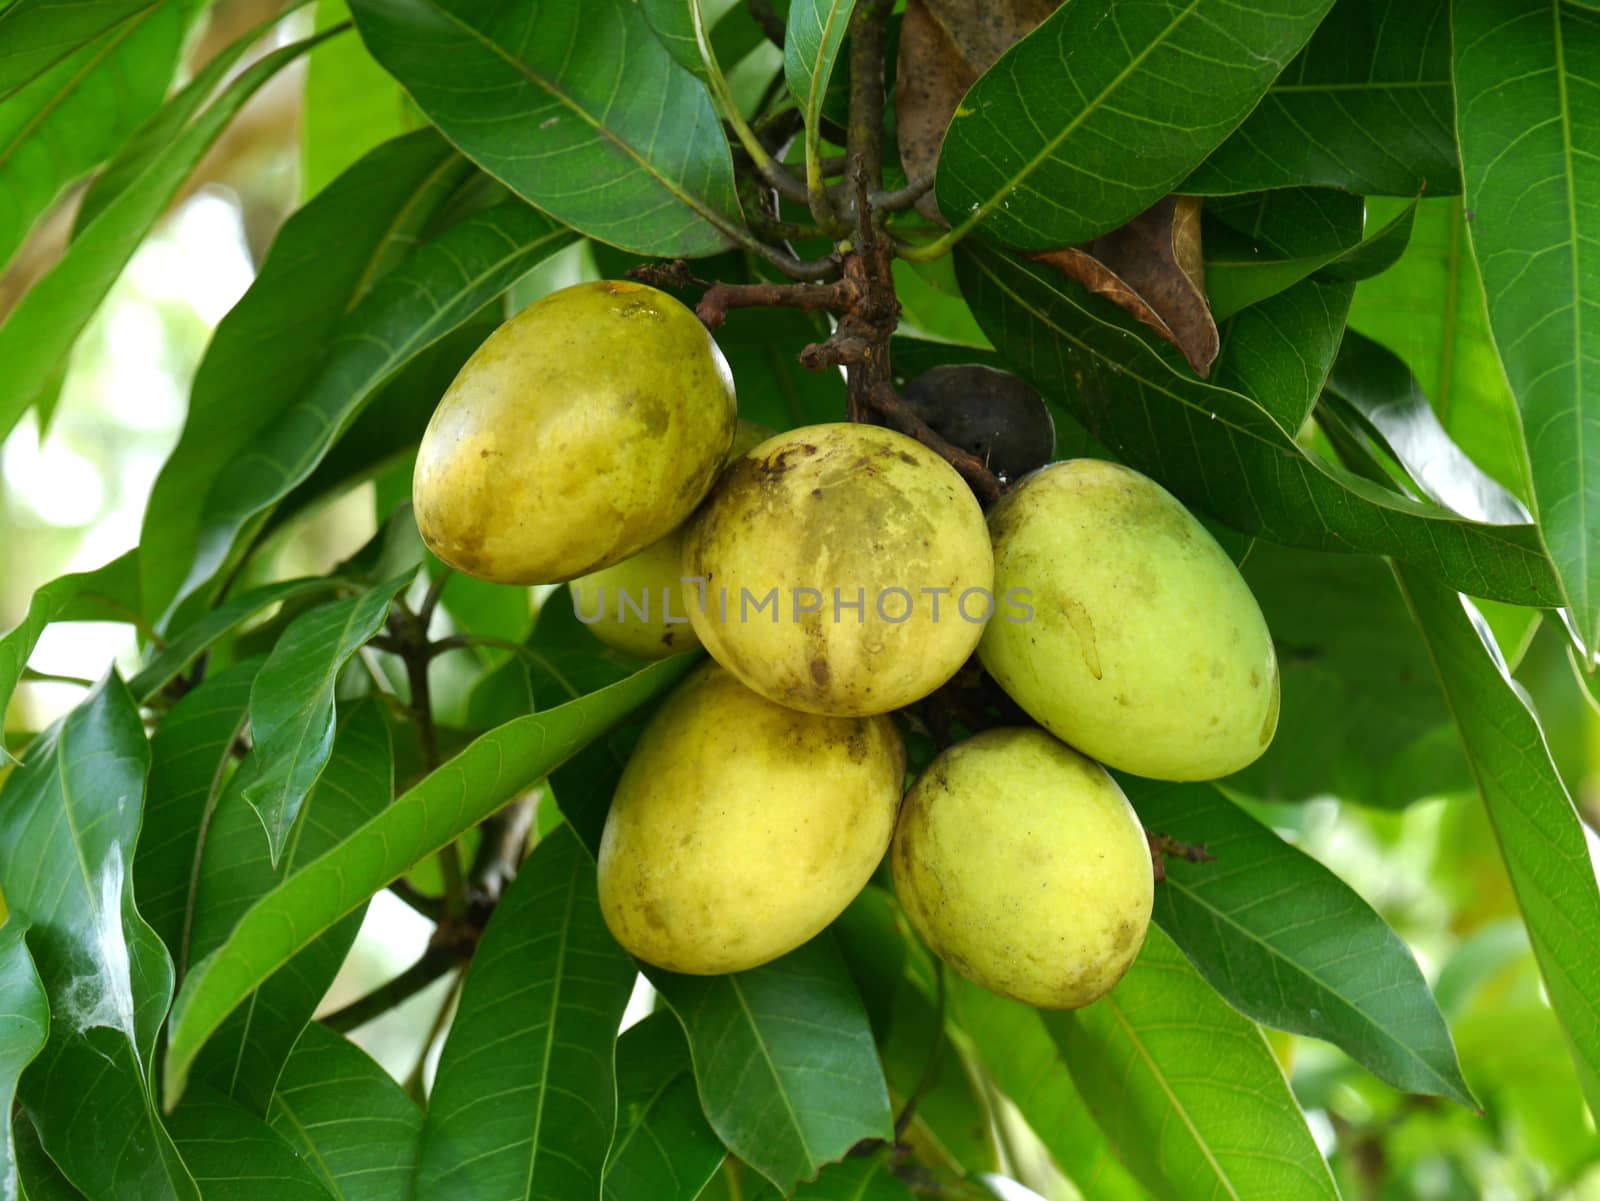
992,413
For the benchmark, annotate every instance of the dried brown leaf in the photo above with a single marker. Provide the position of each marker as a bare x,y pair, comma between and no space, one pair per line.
1152,267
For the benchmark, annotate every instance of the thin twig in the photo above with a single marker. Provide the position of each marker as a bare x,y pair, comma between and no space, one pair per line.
770,21
438,959
429,907
894,408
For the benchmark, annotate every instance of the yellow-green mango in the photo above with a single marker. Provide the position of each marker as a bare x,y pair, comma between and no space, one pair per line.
1023,866
583,429
840,569
636,606
1144,648
740,829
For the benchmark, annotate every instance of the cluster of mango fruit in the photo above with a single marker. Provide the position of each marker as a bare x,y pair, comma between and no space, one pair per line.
838,575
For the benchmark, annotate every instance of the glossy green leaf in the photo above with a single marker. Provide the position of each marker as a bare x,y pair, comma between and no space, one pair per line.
439,287
1362,717
235,1156
1220,451
524,1103
1429,309
1527,81
494,769
784,1059
663,1148
1541,838
352,104
24,1026
564,104
61,125
39,332
1366,107
812,40
859,1178
1279,352
1186,1089
243,1059
108,593
191,754
36,35
67,829
1288,943
1238,274
1016,1050
269,346
41,1180
167,663
347,1117
1036,152
291,703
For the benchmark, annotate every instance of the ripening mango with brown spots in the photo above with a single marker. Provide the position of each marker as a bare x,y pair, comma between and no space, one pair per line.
740,828
1145,648
583,429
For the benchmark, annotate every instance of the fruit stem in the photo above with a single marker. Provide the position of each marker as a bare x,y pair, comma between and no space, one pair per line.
1163,845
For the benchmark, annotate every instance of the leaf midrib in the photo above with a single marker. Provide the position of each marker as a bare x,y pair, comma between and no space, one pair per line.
559,978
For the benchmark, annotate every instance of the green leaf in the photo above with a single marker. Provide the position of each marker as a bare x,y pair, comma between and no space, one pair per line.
67,829
1186,1089
108,593
236,1156
36,35
347,1117
493,770
269,346
1527,107
68,120
564,104
1366,107
439,287
243,1059
24,1026
859,1178
191,753
39,332
663,1147
352,105
166,664
1361,716
813,35
1239,275
1024,1062
40,1178
1540,836
784,1059
1279,352
1429,309
1288,943
291,703
1036,152
1219,450
525,1099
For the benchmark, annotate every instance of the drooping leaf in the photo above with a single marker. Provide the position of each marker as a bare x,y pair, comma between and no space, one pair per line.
1035,154
1187,1089
235,1156
1366,107
291,703
68,120
784,1060
108,593
443,284
564,104
1527,107
191,753
1289,944
663,1147
67,831
24,1026
1219,450
493,770
41,329
243,1059
1429,309
1025,1063
1541,838
1279,352
347,1117
267,349
352,105
524,1103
